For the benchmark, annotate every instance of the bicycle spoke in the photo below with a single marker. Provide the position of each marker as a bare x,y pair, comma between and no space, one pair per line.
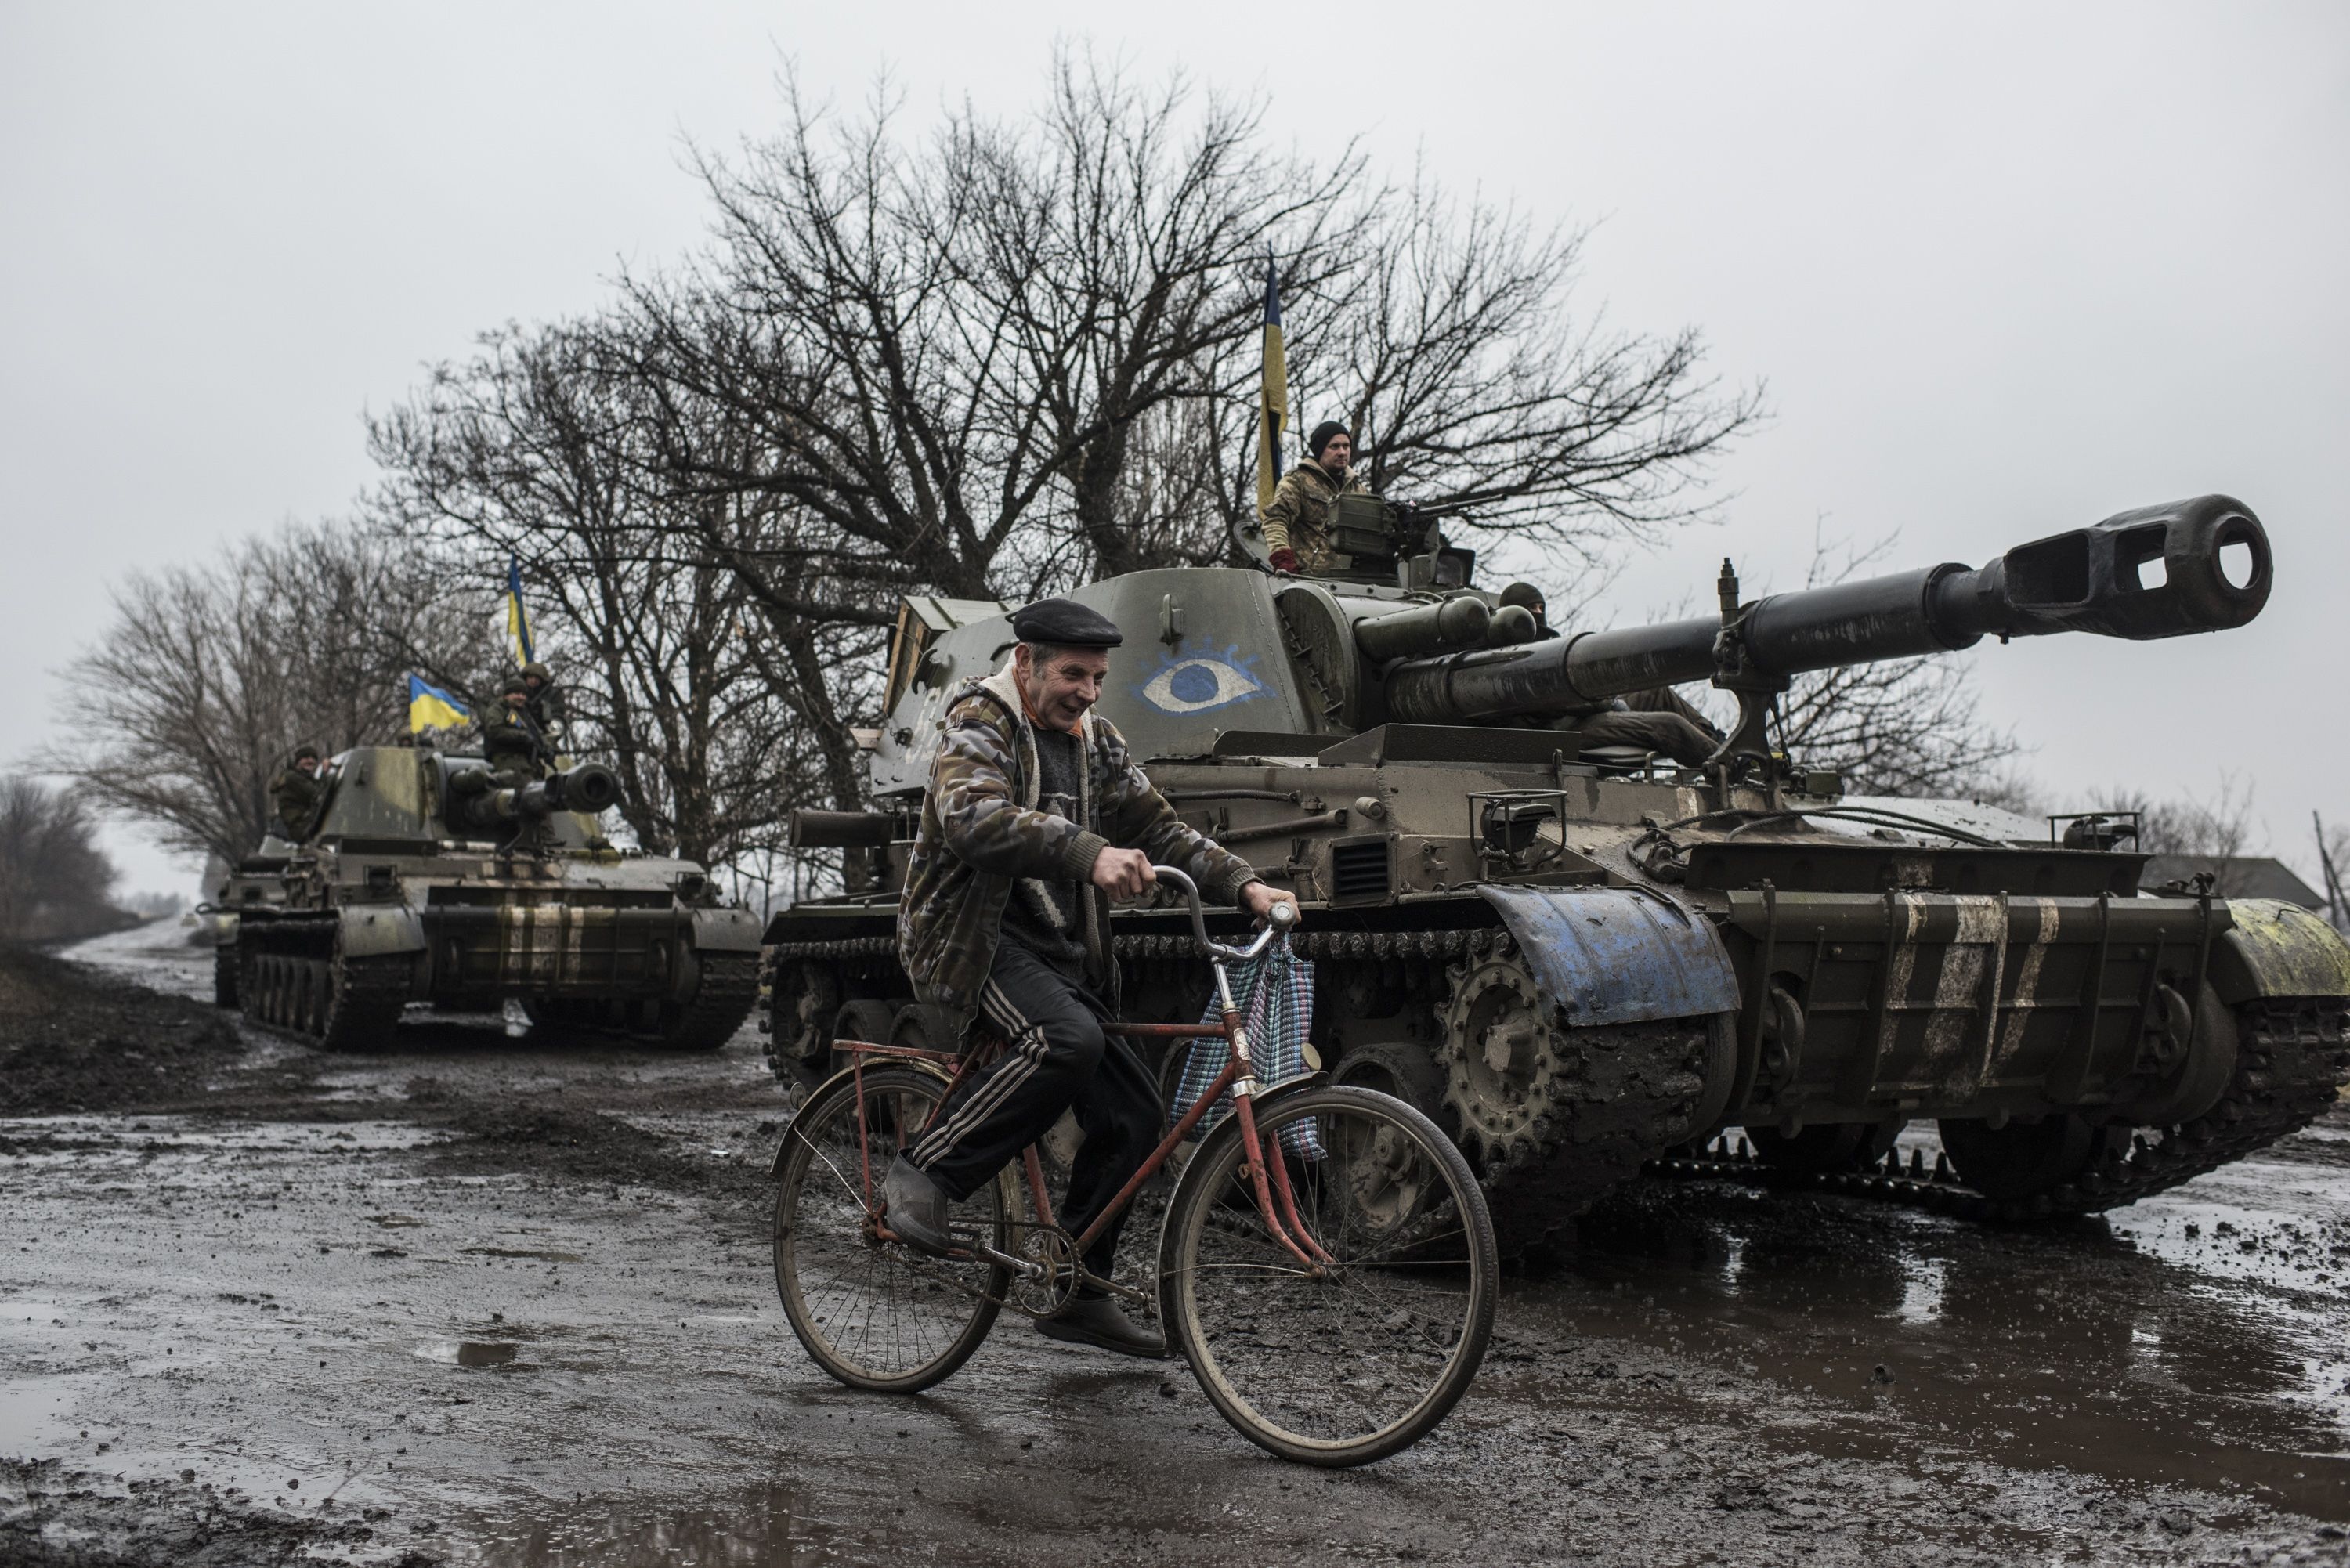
1334,1359
875,1312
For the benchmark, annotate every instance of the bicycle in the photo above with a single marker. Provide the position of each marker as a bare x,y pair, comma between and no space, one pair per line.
1334,1302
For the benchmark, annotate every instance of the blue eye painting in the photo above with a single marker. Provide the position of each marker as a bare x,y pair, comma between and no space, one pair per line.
1202,682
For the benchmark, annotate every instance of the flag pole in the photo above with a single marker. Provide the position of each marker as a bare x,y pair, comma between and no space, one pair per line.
1272,392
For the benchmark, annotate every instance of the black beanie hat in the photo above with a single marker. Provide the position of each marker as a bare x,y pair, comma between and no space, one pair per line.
1324,433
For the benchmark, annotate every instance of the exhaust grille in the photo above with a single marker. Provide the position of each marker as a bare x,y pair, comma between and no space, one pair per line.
1359,871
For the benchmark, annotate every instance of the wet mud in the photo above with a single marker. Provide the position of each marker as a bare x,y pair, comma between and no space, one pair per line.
484,1299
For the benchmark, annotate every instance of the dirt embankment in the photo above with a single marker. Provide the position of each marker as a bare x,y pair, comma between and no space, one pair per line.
74,1039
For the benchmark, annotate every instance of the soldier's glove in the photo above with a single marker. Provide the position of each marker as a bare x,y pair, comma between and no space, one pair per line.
1284,559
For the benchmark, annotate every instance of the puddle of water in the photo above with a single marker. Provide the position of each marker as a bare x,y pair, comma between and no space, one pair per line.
2067,1348
770,1526
544,1257
470,1352
37,1418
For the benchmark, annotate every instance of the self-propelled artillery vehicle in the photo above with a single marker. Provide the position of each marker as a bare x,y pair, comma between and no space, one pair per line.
1583,962
428,879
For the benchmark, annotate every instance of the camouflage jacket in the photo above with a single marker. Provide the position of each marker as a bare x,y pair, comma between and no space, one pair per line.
296,796
980,833
510,740
1299,517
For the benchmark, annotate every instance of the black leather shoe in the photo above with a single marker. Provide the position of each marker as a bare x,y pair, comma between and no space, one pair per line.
1096,1321
915,1209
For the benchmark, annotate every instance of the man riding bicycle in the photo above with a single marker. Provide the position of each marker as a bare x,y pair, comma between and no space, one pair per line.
1035,819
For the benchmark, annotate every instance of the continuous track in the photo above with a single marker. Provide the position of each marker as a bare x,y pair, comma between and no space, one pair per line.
2292,1059
729,989
1625,1092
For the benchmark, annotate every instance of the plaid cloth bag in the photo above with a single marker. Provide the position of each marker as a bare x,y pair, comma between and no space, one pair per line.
1274,995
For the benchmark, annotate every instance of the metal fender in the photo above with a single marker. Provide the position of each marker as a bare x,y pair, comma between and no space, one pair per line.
725,931
392,929
1618,955
2277,949
783,1145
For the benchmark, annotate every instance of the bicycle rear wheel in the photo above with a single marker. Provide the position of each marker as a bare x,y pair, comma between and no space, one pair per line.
1363,1358
874,1313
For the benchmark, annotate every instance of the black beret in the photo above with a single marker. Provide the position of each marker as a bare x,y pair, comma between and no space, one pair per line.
1064,623
1324,434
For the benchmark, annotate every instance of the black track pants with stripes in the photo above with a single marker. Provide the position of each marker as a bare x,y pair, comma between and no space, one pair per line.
1059,1060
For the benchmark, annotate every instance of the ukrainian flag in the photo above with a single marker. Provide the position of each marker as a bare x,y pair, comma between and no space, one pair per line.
1273,401
517,623
430,708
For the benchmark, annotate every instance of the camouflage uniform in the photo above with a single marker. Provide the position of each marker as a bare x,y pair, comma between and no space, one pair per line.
982,833
547,710
1299,517
295,794
510,740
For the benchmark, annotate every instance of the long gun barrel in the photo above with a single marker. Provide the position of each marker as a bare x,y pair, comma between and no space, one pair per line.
589,787
2102,580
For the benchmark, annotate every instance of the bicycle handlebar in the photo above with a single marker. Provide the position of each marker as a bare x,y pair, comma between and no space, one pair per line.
1283,917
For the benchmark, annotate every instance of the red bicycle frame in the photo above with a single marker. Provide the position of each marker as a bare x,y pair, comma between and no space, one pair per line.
1276,1200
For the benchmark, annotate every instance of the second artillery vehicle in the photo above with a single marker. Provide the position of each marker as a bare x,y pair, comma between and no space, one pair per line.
427,880
1581,962
257,884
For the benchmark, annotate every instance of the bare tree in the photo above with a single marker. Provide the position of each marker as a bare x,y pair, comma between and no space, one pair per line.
1473,384
2212,833
536,449
2334,868
54,880
1022,353
181,711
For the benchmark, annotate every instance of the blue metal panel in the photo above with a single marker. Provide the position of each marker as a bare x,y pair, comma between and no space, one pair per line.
1614,955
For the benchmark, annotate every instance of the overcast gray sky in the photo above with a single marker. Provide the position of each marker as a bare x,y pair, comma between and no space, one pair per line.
2006,268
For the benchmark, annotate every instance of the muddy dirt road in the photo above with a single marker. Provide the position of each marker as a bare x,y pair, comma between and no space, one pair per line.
483,1301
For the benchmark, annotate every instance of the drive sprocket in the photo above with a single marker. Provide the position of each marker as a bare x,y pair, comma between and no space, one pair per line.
1500,1055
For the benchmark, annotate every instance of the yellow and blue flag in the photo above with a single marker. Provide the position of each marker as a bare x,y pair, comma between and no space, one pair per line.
1272,400
430,708
517,623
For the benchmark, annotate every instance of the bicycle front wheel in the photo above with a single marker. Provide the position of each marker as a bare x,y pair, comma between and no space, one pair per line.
874,1313
1359,1352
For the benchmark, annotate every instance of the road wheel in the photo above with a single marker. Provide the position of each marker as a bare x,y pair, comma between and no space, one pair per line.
2024,1159
1821,1150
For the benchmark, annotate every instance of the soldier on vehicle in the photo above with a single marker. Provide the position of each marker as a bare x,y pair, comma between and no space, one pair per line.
511,738
1035,819
297,789
1297,522
547,706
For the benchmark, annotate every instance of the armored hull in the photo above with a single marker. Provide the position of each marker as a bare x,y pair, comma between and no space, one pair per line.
410,892
1587,965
